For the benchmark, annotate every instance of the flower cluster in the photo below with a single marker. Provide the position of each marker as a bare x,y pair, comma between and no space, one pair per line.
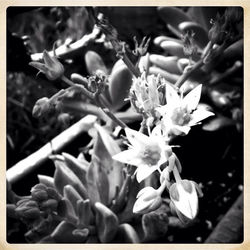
152,152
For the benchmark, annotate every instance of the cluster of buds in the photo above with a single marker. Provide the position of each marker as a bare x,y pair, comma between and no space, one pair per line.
43,201
145,96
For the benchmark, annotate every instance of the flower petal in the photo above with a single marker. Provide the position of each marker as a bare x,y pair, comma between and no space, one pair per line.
178,130
48,60
199,115
40,66
143,171
191,100
188,202
129,156
172,97
137,139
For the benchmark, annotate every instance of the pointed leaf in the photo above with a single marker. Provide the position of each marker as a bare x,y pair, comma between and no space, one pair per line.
79,168
64,176
97,182
46,180
72,195
107,223
105,147
65,209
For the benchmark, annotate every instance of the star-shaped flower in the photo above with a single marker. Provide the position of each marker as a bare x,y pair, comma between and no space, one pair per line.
147,153
180,114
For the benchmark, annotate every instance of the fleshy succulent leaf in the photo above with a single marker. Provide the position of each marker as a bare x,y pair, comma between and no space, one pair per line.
64,176
107,223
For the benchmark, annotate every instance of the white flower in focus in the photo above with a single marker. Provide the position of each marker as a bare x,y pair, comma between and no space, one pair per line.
147,153
148,199
185,199
179,114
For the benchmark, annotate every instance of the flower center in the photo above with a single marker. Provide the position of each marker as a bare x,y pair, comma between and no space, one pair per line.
180,116
151,154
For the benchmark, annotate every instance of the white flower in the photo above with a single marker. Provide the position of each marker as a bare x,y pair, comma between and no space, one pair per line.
185,199
179,114
147,153
148,199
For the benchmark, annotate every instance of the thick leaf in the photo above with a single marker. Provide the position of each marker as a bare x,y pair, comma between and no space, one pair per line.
72,195
66,210
120,83
173,16
234,51
84,213
168,63
218,123
172,78
173,48
46,180
126,234
155,224
107,223
97,182
94,63
105,147
64,176
79,168
63,234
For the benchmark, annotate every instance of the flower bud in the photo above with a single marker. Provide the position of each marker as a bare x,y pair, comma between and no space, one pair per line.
27,209
41,107
39,193
51,67
184,197
148,199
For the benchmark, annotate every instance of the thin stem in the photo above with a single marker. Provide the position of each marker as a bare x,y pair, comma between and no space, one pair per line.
186,75
114,118
176,174
162,187
130,65
66,80
83,89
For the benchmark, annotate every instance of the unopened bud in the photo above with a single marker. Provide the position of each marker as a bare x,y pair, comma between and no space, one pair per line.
41,107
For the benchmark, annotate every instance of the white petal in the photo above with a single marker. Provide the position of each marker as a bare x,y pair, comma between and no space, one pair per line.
144,191
178,130
141,205
188,202
199,115
137,139
191,100
172,97
129,156
144,171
